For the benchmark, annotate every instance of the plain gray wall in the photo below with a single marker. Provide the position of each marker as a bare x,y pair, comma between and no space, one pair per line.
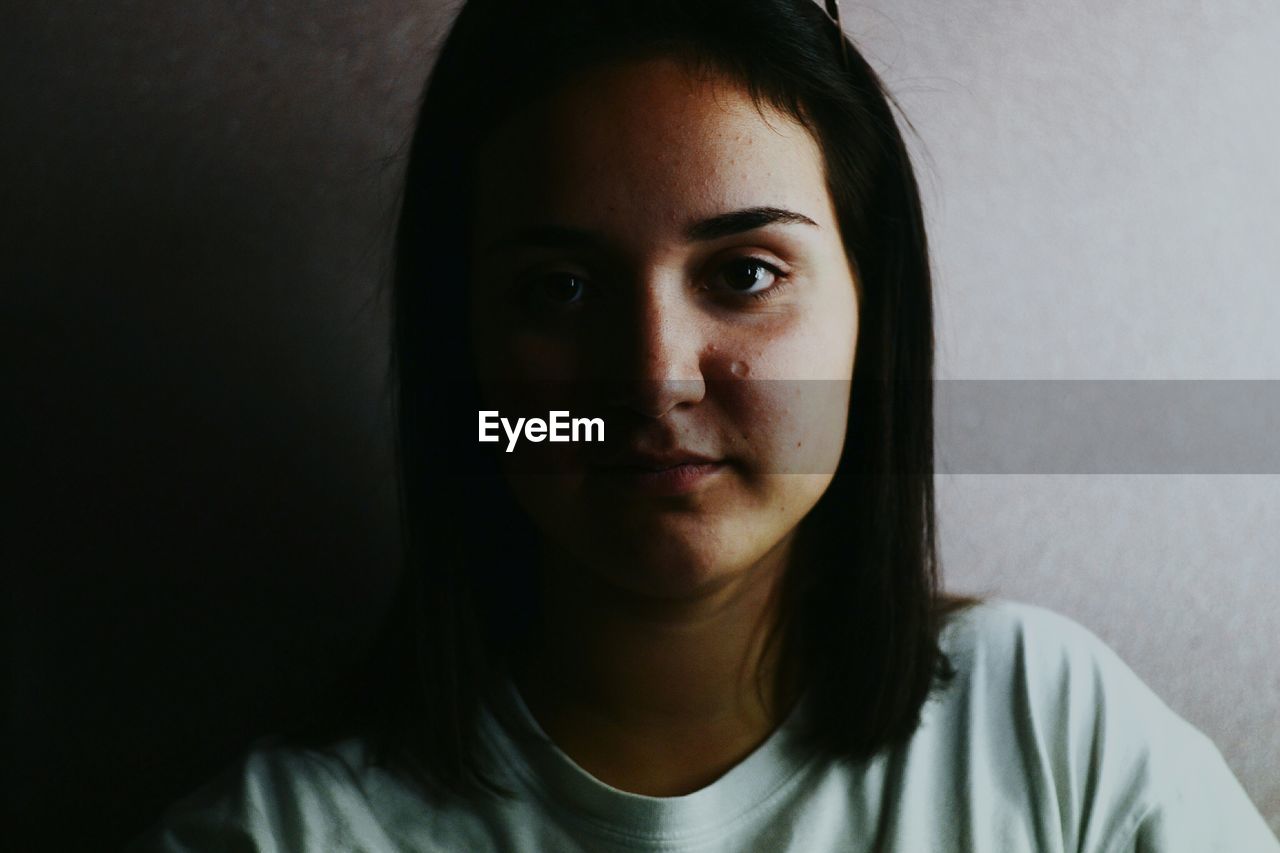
194,219
1103,193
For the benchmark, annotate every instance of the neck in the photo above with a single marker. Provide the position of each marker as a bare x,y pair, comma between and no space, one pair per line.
656,696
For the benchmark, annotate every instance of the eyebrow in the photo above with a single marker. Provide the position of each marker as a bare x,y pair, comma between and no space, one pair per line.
711,228
739,221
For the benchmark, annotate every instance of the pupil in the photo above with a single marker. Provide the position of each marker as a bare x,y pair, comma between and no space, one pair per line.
750,280
562,288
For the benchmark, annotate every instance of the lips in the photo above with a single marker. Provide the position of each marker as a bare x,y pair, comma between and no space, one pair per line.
657,461
660,474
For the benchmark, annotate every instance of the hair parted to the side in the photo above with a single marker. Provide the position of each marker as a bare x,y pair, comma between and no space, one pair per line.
862,613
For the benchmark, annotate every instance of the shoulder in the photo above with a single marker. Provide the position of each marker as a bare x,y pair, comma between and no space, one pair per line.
1054,665
1040,693
1044,670
277,794
1001,631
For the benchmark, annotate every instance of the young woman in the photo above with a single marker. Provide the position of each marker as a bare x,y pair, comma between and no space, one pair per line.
695,223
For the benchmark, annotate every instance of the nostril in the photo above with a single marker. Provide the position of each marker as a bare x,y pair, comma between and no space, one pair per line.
653,398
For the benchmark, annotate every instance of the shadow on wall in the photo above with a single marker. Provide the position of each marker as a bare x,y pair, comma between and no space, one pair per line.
197,206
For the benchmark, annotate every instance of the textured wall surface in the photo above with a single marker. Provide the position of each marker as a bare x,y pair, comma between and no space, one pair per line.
1104,203
195,203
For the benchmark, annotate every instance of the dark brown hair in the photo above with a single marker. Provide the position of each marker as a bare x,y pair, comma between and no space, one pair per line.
863,612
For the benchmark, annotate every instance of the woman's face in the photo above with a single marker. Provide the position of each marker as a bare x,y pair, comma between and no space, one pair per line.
652,250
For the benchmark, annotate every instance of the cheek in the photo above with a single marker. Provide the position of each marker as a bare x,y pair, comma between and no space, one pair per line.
791,412
787,426
813,338
817,343
527,376
509,355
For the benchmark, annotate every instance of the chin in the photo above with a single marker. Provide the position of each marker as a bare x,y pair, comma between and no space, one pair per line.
661,575
672,548
670,561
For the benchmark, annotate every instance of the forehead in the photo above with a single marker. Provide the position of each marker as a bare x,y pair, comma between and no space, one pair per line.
645,147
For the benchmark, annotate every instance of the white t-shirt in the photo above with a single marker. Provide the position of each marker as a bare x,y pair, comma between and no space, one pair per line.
1045,741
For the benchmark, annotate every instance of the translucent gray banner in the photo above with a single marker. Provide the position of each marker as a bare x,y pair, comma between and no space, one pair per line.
795,426
1107,426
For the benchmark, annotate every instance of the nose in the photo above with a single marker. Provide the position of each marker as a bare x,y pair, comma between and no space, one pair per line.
657,367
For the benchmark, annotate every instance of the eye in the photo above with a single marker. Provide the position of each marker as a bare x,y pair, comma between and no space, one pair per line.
750,276
555,291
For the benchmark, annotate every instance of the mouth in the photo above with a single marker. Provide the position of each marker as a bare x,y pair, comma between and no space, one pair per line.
667,475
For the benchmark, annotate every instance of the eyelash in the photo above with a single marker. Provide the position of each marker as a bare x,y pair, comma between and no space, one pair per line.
781,280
